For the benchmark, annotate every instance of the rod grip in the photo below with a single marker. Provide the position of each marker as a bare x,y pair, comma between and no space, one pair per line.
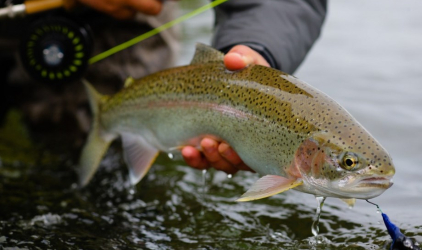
35,6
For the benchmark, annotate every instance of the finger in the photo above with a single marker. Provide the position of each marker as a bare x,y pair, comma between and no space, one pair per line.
114,8
123,13
232,157
210,150
236,61
244,167
229,154
224,166
241,56
194,158
149,7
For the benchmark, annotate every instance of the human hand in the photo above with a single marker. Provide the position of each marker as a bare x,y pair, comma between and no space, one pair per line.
241,56
124,9
220,155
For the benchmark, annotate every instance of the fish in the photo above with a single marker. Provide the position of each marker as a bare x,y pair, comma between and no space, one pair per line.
293,135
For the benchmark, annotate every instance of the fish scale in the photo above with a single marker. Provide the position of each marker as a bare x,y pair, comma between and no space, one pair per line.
279,126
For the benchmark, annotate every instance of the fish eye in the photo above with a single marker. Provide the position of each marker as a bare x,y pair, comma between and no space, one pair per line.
350,161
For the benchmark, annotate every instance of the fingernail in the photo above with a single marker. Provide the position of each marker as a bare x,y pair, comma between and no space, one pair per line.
246,59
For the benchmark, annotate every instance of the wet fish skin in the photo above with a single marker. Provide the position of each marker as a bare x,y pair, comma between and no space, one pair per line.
284,129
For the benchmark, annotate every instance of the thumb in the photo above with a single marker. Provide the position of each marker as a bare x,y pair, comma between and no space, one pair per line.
241,56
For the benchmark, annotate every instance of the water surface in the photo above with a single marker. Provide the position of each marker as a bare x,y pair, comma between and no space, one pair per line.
369,59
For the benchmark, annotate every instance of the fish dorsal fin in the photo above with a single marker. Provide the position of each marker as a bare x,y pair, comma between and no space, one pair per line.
129,81
139,155
269,185
206,54
350,202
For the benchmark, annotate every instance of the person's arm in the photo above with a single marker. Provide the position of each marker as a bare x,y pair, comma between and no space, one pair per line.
282,31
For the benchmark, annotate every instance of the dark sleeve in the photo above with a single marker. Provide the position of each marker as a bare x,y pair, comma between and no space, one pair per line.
282,31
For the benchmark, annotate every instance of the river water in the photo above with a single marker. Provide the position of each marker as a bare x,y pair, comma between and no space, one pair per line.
369,59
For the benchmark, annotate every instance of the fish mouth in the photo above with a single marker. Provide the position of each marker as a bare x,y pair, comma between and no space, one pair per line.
377,182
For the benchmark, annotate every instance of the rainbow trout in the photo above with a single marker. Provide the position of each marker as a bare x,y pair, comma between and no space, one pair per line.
292,134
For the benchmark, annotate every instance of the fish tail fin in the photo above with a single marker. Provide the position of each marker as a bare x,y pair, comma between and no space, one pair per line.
98,141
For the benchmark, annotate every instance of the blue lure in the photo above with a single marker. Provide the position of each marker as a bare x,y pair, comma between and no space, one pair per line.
400,241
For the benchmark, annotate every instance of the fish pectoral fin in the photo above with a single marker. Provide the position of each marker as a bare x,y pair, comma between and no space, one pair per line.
350,202
269,185
139,155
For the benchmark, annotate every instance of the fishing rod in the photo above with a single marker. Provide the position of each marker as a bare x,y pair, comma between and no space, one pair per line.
57,49
29,7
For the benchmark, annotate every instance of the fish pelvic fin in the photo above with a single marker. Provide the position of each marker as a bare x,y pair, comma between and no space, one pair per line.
269,185
350,202
139,155
206,54
98,141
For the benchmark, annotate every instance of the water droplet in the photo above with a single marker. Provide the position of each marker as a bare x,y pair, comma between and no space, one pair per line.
315,225
170,155
229,176
204,182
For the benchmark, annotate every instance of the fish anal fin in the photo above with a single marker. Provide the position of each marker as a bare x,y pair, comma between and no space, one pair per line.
269,185
350,202
139,155
206,54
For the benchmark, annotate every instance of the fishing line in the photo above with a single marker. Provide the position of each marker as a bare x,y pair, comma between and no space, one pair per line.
399,240
155,31
375,205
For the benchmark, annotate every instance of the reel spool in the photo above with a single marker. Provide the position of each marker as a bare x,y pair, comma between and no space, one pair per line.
56,50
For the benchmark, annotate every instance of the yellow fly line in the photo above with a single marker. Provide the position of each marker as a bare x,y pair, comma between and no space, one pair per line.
155,31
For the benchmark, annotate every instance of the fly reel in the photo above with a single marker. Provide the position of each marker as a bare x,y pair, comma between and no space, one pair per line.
56,50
